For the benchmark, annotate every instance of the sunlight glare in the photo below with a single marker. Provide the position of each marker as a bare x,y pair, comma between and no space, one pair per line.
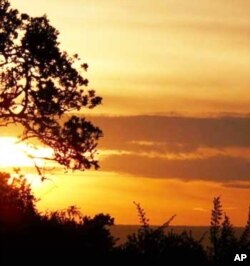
14,154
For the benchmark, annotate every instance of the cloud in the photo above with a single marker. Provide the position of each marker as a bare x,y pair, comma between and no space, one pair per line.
167,134
200,209
215,149
224,169
173,134
238,185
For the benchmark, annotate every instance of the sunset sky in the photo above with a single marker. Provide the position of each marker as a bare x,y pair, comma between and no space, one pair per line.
174,75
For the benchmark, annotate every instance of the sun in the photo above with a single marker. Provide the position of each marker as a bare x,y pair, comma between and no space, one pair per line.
18,154
12,154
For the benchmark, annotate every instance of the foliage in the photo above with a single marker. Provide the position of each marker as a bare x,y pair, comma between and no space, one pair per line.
39,83
216,217
245,238
67,237
56,236
142,216
153,246
17,203
224,243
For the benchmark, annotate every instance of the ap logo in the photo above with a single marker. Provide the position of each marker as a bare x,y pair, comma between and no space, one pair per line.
240,257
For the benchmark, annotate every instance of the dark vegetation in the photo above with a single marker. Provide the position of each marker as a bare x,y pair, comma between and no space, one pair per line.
66,237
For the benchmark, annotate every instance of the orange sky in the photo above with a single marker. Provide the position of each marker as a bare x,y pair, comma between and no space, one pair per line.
156,57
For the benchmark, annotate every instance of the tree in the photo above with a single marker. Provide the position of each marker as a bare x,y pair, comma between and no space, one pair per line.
215,224
17,203
40,84
245,238
62,237
158,246
224,241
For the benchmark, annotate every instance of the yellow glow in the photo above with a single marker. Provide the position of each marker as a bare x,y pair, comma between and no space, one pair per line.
194,58
95,192
150,57
14,154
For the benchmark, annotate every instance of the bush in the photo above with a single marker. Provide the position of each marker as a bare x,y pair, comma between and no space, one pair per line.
67,237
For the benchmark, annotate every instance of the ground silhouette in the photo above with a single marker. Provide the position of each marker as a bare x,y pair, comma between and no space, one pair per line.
66,237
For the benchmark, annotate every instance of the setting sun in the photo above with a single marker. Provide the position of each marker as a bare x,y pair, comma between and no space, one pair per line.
16,154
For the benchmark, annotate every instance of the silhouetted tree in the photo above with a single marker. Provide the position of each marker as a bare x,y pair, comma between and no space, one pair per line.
224,243
216,217
227,243
59,237
17,202
144,221
39,83
66,237
155,246
245,238
227,232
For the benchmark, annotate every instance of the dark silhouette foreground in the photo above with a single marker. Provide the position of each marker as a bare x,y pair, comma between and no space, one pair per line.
28,237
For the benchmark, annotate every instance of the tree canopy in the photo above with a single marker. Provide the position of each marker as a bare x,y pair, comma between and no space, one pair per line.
39,83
